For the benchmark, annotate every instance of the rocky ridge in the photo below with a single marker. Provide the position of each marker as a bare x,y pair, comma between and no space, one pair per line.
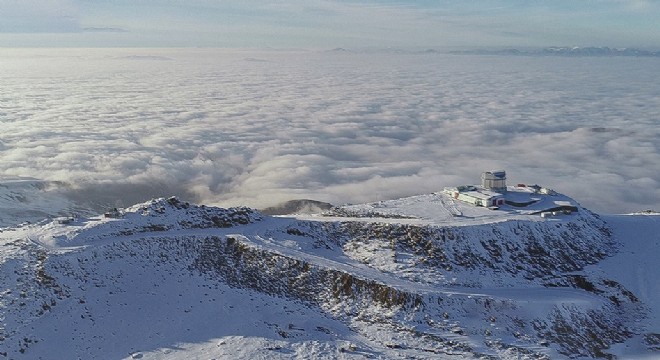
504,289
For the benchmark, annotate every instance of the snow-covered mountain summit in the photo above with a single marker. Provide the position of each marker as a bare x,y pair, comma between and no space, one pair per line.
420,277
155,216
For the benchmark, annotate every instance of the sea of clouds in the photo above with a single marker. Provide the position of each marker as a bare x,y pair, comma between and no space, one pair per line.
256,128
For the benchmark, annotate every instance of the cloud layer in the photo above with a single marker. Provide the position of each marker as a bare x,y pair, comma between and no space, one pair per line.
256,128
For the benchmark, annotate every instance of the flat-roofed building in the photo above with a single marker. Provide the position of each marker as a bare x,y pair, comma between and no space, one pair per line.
477,197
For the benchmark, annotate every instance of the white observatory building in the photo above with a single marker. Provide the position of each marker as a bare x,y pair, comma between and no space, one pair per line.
494,180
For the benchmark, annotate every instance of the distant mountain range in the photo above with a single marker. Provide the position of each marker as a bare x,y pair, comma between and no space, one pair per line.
564,51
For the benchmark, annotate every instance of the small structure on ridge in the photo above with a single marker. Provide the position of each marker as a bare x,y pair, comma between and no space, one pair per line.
476,196
489,194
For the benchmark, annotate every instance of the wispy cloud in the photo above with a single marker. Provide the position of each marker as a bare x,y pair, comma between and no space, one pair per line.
104,29
33,16
326,23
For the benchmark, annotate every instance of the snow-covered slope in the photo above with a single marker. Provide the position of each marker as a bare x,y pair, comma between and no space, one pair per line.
420,277
635,266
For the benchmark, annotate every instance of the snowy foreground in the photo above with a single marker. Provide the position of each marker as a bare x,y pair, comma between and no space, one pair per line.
419,277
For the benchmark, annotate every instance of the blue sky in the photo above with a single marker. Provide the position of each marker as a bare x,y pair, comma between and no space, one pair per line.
325,23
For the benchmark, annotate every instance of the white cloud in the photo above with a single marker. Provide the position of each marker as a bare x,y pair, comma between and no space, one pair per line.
215,127
633,5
